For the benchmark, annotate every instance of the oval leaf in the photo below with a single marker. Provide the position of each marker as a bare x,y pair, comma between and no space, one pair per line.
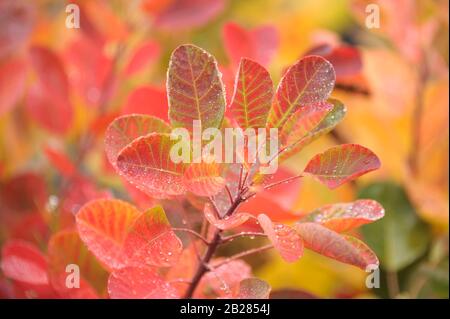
228,222
151,240
124,129
284,238
346,216
195,89
146,163
203,179
24,262
66,248
253,93
139,283
253,288
103,226
341,164
343,248
309,81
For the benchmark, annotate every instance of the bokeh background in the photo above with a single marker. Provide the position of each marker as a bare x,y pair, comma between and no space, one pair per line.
396,90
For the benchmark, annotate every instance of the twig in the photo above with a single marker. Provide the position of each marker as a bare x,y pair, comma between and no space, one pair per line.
243,234
244,254
192,232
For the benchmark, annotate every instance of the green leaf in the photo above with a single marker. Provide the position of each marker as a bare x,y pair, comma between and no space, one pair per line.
400,237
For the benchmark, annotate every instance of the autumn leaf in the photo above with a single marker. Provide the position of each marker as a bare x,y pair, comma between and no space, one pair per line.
24,262
151,241
139,283
253,93
341,164
195,89
253,288
124,129
204,179
343,217
142,56
147,164
148,100
12,82
228,222
103,226
284,238
259,44
309,81
66,248
343,248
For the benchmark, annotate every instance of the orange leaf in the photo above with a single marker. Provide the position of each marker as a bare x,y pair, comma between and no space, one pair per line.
346,216
146,163
139,283
341,164
203,179
151,241
253,288
103,225
227,222
284,238
124,129
343,248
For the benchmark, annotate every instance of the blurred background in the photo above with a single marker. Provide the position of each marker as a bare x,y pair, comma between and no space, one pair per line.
60,86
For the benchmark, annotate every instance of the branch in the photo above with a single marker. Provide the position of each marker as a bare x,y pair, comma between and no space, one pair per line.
243,234
244,254
193,232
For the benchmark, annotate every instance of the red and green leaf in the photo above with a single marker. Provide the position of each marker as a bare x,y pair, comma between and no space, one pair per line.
346,216
103,226
151,241
285,239
341,164
139,283
309,81
253,93
329,243
147,164
195,89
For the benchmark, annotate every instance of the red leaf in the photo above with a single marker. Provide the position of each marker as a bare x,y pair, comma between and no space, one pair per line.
139,283
259,44
12,83
142,57
224,280
253,288
343,248
60,160
309,81
253,93
341,164
50,95
125,129
147,100
182,14
151,240
346,60
346,216
203,179
65,248
228,222
284,238
195,89
146,163
23,262
103,225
